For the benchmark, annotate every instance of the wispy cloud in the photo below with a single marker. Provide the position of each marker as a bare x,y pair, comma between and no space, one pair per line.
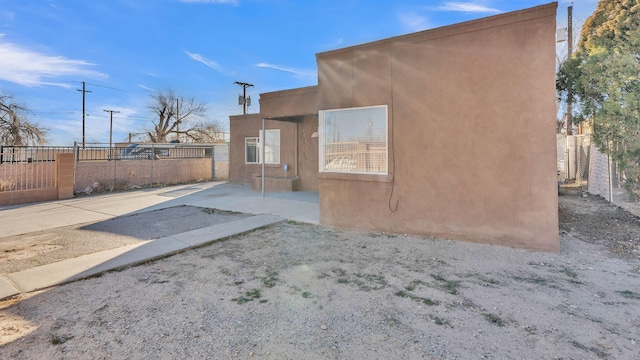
29,68
465,7
147,88
413,21
208,62
299,72
231,2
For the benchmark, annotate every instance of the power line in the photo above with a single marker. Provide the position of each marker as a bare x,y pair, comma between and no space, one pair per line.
106,87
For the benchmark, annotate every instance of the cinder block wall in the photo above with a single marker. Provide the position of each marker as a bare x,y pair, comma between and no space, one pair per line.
64,175
141,172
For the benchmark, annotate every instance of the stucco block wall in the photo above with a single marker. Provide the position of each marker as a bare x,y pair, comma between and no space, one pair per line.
471,129
64,175
141,172
27,196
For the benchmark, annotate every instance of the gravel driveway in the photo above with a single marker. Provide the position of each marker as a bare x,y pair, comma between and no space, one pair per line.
295,291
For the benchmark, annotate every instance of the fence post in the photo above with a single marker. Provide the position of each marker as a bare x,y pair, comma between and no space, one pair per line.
75,164
115,168
153,151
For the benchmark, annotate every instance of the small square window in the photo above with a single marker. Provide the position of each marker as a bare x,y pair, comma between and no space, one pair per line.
251,150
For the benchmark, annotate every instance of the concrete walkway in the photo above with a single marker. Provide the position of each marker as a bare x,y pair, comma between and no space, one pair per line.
22,219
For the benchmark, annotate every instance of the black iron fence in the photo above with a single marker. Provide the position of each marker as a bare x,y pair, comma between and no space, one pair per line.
96,152
29,154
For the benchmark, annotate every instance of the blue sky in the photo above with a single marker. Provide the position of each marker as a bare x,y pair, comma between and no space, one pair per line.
127,50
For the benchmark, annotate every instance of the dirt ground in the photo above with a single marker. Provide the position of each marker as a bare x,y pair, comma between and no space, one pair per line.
294,291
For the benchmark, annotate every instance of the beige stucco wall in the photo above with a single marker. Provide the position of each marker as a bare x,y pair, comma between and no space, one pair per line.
291,102
244,126
298,147
141,172
471,128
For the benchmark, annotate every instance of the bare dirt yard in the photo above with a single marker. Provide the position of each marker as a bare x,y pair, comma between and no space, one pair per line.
296,291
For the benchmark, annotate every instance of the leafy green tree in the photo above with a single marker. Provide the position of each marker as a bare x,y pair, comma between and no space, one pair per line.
15,129
604,78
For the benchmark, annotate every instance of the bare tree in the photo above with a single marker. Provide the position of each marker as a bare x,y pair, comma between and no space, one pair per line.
15,129
210,131
179,116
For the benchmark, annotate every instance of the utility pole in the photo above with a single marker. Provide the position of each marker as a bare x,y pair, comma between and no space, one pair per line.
84,91
111,127
569,53
244,101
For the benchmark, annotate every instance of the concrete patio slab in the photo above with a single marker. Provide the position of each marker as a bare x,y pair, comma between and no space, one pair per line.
7,289
89,265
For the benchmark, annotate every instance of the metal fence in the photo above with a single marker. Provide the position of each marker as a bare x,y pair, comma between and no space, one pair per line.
29,154
27,168
33,167
95,152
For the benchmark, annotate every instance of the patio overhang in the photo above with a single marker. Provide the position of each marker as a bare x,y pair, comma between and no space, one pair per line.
292,118
296,119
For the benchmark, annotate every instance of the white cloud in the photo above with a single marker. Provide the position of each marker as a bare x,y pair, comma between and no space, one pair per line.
287,69
199,58
147,88
29,68
208,62
414,21
465,7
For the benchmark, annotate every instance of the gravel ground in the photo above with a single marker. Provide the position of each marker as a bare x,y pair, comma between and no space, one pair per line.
295,291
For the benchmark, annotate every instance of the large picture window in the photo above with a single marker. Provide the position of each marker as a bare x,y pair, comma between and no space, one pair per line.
253,150
354,140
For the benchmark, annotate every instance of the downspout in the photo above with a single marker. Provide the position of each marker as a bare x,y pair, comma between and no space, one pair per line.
297,149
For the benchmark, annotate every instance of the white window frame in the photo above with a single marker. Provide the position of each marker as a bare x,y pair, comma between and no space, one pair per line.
260,155
321,141
257,140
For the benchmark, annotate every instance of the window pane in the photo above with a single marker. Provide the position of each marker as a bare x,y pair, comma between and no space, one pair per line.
272,147
251,150
355,140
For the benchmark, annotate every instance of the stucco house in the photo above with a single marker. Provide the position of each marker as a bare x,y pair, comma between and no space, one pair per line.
448,132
